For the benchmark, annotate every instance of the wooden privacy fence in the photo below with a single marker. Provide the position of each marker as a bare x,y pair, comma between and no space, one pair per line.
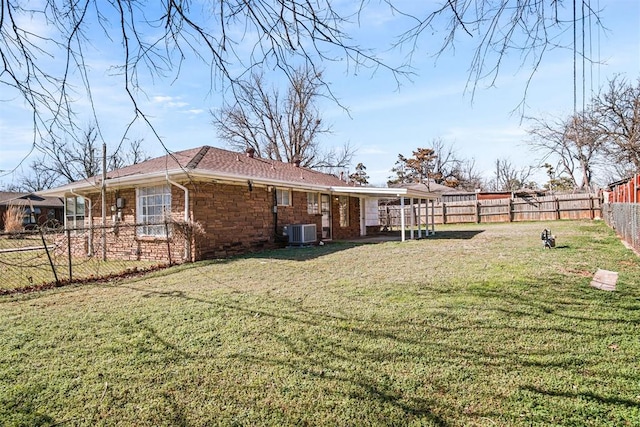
533,208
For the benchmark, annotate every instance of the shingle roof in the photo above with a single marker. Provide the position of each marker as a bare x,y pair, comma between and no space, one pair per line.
218,161
17,198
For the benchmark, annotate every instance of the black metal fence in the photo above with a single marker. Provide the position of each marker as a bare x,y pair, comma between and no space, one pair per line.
49,257
624,218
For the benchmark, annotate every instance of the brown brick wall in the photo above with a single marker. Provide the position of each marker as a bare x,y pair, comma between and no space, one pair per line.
122,241
232,219
297,213
353,230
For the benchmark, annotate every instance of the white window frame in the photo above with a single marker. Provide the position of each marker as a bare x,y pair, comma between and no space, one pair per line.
73,216
283,196
313,203
153,209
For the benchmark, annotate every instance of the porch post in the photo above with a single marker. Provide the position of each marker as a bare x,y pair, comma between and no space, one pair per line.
402,220
433,216
363,216
419,219
412,220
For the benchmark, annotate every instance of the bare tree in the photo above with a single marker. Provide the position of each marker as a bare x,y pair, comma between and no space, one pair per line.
470,178
284,128
38,178
234,37
76,159
574,144
133,155
73,159
616,114
446,166
509,178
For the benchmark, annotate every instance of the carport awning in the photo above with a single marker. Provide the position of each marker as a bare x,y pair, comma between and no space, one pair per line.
408,191
389,192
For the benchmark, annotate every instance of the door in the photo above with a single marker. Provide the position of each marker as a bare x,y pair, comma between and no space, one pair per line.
325,208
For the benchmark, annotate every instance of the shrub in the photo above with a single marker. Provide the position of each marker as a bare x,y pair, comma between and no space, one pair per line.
13,218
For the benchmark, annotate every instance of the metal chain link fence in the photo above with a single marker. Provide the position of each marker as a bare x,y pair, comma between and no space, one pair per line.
624,218
48,257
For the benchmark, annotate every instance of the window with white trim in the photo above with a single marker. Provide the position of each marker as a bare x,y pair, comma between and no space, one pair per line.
154,208
313,203
74,208
283,196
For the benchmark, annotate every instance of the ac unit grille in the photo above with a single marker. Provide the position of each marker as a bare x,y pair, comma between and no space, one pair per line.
300,234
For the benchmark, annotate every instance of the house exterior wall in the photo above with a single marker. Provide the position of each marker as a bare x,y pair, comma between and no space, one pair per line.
122,241
353,229
234,219
230,219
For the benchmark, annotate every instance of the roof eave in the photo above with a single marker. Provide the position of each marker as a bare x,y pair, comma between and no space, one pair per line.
386,192
93,185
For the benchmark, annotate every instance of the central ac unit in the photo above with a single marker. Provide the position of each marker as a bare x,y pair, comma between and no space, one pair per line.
300,234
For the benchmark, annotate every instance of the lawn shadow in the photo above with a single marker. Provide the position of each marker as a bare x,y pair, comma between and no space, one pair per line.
303,253
455,234
584,396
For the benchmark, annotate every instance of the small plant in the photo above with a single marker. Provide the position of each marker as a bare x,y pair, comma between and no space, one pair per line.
13,218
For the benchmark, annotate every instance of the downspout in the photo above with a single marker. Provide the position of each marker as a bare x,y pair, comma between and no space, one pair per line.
90,237
187,249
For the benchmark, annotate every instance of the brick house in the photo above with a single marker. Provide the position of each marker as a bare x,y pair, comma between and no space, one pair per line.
220,202
37,210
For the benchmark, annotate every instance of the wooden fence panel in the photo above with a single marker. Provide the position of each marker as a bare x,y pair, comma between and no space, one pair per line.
497,210
457,212
547,208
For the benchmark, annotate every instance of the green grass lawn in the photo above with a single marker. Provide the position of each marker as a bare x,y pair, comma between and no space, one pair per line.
476,326
33,268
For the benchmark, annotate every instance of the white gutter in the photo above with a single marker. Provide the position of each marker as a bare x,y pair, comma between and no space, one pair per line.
186,197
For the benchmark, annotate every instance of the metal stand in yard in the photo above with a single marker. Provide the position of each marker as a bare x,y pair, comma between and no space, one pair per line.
548,239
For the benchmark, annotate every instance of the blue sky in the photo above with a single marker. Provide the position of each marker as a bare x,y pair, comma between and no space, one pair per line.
384,119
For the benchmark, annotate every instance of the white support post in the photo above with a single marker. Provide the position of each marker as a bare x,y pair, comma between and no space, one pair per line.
433,216
419,219
402,220
412,220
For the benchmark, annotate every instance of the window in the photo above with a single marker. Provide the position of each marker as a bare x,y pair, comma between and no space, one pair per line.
313,204
283,196
29,217
74,212
154,207
343,206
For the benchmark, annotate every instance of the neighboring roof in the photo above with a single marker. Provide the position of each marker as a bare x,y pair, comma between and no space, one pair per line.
218,164
29,199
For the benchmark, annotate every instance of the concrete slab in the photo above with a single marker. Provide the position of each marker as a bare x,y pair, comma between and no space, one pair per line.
605,280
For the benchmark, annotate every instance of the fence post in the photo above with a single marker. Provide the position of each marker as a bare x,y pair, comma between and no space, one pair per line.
46,249
477,212
68,232
510,207
444,213
557,202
